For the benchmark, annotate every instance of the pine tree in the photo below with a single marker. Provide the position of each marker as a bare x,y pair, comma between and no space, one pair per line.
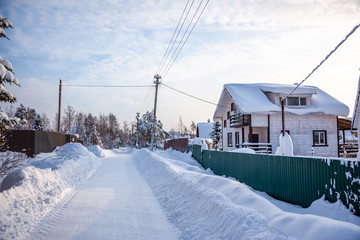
216,135
6,77
143,129
37,124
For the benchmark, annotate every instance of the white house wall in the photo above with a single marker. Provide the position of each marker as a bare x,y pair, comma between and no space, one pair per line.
301,131
259,120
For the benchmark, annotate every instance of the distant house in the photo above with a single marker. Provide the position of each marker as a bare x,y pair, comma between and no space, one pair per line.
203,130
251,117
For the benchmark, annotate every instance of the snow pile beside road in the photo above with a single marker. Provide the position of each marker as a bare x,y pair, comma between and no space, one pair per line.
29,193
207,206
100,152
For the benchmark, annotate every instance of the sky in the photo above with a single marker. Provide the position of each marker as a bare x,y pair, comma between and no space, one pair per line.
115,42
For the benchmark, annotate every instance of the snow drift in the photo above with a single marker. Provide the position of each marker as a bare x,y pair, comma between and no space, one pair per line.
206,206
35,188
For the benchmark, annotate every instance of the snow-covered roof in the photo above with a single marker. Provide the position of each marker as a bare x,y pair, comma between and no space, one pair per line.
251,98
205,129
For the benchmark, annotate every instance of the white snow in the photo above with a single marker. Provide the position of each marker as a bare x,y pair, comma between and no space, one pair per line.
286,147
36,188
151,195
244,150
250,99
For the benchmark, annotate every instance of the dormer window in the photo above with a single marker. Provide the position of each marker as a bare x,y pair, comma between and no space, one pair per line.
295,101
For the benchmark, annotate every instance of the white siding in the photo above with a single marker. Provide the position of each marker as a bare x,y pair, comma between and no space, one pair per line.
259,120
301,131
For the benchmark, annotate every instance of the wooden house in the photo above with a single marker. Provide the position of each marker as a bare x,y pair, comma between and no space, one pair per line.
251,117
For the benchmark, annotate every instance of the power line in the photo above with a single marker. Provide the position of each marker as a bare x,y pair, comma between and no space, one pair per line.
166,54
116,86
167,62
197,98
347,36
166,70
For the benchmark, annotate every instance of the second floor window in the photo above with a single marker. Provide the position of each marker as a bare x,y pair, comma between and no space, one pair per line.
224,123
295,101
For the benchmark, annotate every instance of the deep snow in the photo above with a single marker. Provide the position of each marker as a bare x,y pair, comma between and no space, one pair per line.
73,194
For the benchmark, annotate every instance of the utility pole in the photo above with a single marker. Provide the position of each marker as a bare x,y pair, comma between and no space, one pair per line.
59,110
157,82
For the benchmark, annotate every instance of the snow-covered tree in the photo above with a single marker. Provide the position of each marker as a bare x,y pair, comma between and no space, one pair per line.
143,129
6,77
37,124
45,121
216,135
193,129
68,119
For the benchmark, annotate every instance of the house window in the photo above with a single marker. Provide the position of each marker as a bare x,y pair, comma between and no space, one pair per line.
237,138
228,115
232,107
319,138
230,140
295,101
224,123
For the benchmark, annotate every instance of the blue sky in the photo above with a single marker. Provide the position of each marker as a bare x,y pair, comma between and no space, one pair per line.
122,43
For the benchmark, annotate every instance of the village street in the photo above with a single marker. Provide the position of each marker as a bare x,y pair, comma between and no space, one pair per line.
167,195
116,203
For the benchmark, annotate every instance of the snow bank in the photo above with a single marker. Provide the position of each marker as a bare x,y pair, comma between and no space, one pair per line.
286,147
207,206
100,152
30,192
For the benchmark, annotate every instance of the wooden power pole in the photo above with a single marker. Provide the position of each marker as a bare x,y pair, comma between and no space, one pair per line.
59,109
157,82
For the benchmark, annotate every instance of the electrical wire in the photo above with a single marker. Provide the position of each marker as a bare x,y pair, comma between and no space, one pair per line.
166,54
116,86
177,38
168,67
149,95
347,36
197,98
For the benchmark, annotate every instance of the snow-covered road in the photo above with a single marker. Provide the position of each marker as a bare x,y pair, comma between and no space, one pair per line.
79,193
116,203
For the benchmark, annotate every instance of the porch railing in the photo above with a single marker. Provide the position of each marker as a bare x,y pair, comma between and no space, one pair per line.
239,120
265,148
349,150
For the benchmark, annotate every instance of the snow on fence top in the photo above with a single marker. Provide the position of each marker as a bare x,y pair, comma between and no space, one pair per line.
251,98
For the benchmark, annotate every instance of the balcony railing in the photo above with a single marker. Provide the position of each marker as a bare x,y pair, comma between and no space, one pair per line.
239,120
265,148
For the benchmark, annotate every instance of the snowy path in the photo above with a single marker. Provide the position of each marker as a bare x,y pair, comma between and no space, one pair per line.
116,203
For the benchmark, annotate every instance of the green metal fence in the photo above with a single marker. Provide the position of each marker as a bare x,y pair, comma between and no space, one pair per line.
296,180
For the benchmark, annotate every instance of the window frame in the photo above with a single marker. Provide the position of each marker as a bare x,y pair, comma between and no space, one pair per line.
229,139
318,144
300,101
237,139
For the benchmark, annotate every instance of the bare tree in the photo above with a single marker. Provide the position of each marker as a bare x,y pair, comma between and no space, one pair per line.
68,119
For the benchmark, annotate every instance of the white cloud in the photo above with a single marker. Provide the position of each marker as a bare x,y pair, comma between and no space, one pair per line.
122,42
